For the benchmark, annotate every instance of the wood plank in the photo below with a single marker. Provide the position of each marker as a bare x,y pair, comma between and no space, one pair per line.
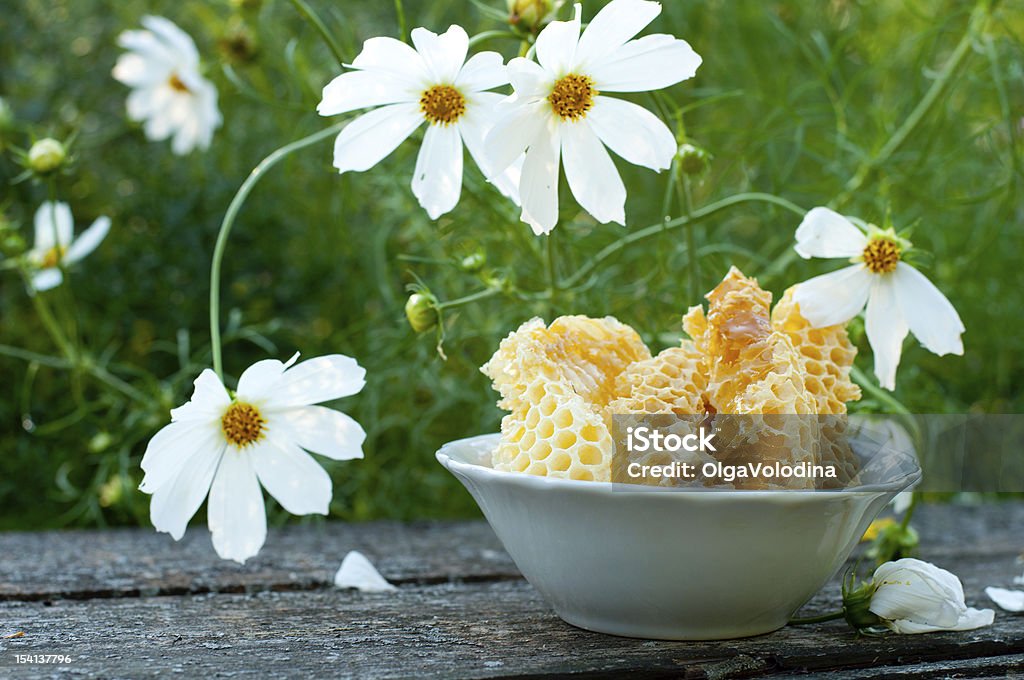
134,562
497,629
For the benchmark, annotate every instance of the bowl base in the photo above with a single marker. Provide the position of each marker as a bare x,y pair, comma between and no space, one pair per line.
681,633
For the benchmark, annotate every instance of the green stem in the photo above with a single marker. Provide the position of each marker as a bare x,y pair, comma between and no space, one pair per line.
551,271
473,297
976,24
869,386
400,15
910,511
229,220
691,240
34,357
653,230
309,15
817,619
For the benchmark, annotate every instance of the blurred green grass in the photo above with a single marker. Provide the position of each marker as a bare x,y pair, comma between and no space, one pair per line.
791,97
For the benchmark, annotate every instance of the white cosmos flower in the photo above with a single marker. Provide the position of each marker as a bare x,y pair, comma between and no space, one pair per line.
168,93
55,245
912,596
559,110
429,83
228,445
898,297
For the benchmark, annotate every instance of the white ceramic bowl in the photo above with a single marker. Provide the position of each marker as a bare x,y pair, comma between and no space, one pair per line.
673,565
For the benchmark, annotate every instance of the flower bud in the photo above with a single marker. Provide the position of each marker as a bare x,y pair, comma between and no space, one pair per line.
46,156
473,262
238,44
529,14
247,5
693,160
857,603
421,311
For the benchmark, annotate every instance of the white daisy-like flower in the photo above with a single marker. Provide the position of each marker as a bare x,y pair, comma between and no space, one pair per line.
432,83
229,444
559,110
898,297
55,245
913,596
169,95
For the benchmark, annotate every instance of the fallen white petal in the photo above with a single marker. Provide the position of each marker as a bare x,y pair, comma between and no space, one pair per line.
1010,600
358,572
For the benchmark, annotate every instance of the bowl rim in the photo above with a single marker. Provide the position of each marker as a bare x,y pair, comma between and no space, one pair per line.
485,473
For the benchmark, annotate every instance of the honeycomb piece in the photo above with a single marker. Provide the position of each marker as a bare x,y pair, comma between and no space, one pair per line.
556,435
835,450
674,381
750,367
826,355
588,354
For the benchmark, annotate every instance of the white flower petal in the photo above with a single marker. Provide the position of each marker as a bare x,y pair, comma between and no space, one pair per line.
648,63
556,44
171,449
332,376
969,619
437,179
538,185
176,39
443,54
483,71
617,22
323,430
481,112
158,54
236,514
395,58
369,138
886,329
88,240
518,125
208,402
632,132
47,279
54,226
259,380
136,71
929,314
362,90
834,298
290,475
175,501
913,590
901,503
826,233
358,572
528,79
592,176
1010,600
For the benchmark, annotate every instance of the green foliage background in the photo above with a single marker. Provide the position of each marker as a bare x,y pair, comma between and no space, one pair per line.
791,98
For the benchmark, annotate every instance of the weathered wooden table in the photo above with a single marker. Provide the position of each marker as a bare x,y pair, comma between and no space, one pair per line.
132,603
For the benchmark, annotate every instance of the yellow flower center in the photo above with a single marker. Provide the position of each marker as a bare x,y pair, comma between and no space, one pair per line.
572,96
442,104
882,255
52,257
176,84
242,424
